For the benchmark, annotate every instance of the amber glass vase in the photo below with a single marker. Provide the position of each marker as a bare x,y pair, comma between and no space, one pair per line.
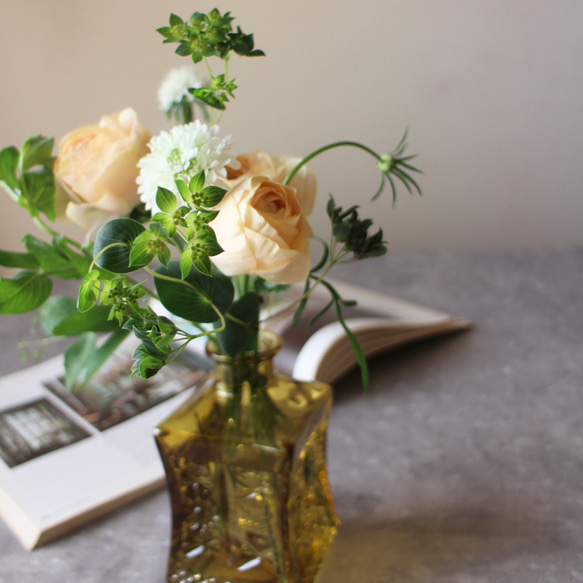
246,468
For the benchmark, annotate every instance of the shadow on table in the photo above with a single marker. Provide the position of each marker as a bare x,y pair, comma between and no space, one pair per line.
429,548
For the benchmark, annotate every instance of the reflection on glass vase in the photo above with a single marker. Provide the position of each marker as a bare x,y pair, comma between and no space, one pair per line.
246,468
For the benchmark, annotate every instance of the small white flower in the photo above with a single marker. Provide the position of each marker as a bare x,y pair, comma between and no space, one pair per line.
176,84
182,153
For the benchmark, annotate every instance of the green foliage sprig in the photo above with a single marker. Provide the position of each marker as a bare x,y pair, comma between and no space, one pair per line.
210,35
174,247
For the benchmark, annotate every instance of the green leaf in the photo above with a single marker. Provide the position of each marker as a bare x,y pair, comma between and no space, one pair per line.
83,358
184,49
76,358
37,151
302,305
89,291
203,264
39,192
323,259
167,222
207,242
212,196
166,32
240,334
197,183
192,298
141,253
164,257
27,291
356,347
8,164
50,259
175,20
80,261
113,245
186,261
166,200
183,190
59,316
18,260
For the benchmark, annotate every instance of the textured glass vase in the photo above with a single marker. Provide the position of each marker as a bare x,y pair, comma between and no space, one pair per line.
246,468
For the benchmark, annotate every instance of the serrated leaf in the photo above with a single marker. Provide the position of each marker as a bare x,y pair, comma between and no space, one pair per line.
26,292
341,231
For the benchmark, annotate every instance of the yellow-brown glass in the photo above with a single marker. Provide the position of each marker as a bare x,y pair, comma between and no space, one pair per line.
246,468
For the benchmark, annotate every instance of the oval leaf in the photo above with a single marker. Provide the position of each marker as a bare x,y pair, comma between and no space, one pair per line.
192,298
27,291
113,245
59,316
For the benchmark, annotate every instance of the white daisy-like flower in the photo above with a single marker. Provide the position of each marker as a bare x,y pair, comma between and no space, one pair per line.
182,153
175,86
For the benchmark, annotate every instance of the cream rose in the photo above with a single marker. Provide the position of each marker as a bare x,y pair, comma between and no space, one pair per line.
96,169
275,168
263,230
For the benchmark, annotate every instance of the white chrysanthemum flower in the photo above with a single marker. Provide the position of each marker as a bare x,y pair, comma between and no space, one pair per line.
182,153
176,84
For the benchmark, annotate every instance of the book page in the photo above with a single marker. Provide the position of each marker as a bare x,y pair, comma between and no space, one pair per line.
321,350
67,454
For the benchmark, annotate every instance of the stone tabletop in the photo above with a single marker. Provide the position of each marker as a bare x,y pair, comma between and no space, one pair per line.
462,464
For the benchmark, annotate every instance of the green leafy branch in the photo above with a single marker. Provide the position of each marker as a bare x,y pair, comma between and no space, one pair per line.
210,35
351,237
191,288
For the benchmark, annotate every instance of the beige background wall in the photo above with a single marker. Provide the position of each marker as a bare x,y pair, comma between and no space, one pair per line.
491,90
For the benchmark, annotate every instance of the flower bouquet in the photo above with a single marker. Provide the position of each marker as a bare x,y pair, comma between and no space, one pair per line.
218,235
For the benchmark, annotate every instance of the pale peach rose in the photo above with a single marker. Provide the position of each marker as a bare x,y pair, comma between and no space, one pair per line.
96,169
263,230
275,168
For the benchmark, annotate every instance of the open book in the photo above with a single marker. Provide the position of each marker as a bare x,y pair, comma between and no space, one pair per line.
322,350
66,458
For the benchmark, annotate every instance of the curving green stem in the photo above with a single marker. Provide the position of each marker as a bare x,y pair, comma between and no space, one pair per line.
315,153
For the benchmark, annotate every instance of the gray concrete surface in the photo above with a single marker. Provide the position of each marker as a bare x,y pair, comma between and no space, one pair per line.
463,463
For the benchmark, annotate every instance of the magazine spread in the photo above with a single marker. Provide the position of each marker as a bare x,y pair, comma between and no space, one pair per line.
67,457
